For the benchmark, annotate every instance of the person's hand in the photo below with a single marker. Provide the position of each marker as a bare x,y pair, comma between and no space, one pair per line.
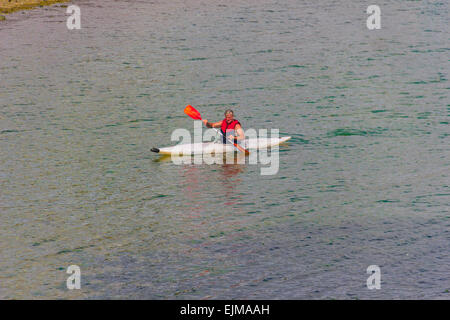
205,121
231,137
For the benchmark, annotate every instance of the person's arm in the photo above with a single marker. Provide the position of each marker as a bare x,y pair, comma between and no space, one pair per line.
240,133
212,124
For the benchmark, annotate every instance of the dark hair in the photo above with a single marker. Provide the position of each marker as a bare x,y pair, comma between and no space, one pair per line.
228,111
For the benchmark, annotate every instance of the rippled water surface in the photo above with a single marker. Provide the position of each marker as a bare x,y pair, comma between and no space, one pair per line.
364,180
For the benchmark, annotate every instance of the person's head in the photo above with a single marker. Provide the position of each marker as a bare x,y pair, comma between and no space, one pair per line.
229,115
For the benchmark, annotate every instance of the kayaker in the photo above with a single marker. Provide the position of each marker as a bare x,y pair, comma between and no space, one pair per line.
230,127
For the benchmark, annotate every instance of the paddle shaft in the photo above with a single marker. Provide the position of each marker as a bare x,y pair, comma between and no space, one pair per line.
235,144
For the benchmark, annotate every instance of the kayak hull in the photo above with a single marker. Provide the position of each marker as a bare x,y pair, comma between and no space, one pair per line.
216,148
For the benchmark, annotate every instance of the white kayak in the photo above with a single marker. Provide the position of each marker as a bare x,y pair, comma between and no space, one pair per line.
218,147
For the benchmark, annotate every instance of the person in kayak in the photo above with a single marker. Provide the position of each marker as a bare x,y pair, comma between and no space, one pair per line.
230,127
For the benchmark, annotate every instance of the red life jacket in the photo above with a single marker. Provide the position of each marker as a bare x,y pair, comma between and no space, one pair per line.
228,127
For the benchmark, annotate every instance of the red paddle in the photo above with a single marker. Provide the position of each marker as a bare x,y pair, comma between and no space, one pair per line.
194,114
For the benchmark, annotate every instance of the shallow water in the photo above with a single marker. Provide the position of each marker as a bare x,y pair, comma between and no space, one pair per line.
364,180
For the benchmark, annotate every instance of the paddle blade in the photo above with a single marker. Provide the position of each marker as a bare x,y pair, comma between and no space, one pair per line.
191,112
